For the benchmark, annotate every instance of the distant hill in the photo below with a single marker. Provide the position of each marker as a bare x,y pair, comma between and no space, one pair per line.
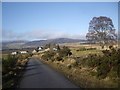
56,41
31,44
13,44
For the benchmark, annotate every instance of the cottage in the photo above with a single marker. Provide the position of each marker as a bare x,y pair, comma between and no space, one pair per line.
55,49
23,52
40,48
14,53
34,51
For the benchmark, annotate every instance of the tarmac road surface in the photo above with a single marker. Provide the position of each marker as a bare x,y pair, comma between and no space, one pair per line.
39,75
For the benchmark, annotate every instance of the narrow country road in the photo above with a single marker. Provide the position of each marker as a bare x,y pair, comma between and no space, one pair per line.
39,75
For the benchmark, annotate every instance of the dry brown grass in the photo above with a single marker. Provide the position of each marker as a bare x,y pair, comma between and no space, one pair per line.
81,76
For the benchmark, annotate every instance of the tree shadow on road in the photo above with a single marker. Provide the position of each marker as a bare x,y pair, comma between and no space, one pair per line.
32,74
30,65
30,68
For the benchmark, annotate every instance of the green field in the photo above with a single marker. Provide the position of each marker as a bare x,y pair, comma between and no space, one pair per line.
84,53
78,53
3,56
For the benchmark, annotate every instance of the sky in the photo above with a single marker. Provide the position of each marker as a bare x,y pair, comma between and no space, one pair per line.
60,0
48,20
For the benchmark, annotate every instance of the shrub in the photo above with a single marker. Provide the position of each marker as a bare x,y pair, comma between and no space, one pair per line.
102,70
107,65
91,49
24,56
65,51
74,64
118,71
9,62
106,52
112,74
91,60
59,58
82,49
10,66
93,73
48,55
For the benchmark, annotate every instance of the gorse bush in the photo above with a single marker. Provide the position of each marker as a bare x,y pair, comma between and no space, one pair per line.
57,55
11,70
113,59
58,58
110,62
65,51
48,55
107,65
92,60
91,48
8,63
84,49
103,69
23,56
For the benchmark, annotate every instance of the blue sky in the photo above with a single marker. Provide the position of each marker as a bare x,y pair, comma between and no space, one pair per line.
33,21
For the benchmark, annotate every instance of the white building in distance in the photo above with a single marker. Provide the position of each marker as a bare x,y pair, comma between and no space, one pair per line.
23,52
14,53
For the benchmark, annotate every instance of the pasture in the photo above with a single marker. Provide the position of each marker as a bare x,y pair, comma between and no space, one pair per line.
85,53
76,49
92,49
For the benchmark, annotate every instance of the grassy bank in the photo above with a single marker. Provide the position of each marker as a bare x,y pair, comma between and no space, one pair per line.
12,67
95,69
82,77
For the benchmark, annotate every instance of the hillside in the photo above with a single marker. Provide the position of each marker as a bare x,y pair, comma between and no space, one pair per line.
56,41
13,44
31,44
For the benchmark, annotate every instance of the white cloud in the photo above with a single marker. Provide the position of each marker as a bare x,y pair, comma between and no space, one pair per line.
42,34
39,34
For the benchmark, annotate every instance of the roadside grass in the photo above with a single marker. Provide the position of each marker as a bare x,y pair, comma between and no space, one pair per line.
85,71
82,76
